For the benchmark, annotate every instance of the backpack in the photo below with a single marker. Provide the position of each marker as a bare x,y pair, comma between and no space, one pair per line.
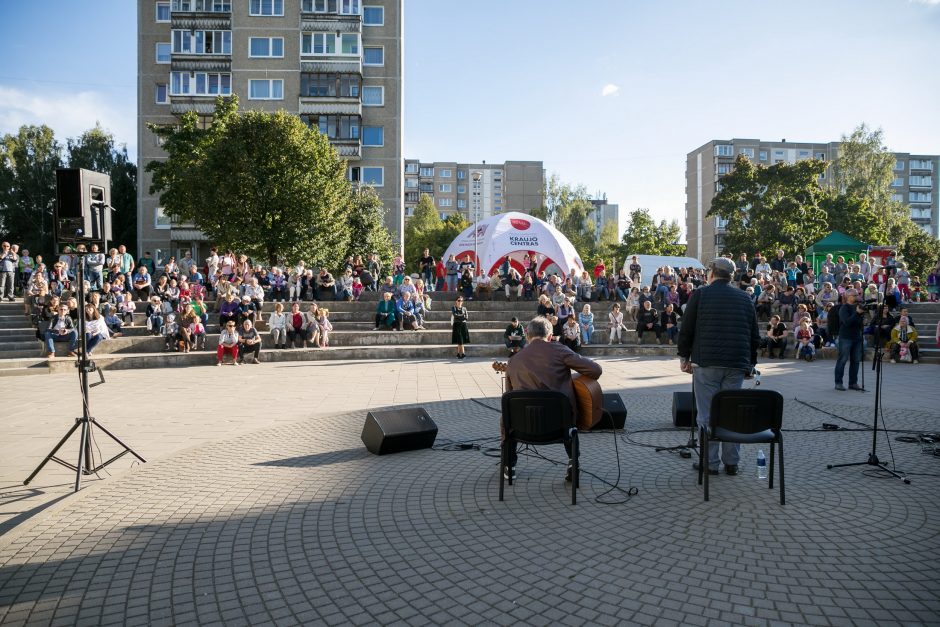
834,321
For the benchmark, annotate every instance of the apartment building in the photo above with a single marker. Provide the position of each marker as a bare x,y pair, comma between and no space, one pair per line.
915,183
604,213
335,63
475,190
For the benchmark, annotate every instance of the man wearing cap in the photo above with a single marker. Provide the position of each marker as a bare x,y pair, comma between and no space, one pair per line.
718,344
514,336
850,340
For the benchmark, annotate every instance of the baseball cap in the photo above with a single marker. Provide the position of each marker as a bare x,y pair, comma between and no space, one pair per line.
723,264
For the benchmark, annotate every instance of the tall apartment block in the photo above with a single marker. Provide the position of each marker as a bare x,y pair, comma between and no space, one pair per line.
335,63
915,180
604,213
510,186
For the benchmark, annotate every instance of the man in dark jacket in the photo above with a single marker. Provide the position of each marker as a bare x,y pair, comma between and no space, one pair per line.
719,337
850,340
647,321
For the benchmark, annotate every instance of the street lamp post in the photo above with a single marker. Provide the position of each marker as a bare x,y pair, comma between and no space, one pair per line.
477,176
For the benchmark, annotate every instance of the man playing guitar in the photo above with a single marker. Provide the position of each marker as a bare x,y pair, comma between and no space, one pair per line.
547,365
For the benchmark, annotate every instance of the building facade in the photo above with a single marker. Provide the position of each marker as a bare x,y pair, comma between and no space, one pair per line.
510,186
605,213
915,184
335,63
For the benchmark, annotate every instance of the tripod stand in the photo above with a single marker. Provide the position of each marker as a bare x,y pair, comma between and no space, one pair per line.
873,456
86,421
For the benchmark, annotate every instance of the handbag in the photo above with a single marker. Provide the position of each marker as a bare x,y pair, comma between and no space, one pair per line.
904,355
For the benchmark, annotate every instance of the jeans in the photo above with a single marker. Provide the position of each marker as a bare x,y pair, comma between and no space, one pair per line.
7,280
94,280
91,341
71,337
602,293
586,332
451,282
850,350
671,333
428,276
278,336
622,294
707,381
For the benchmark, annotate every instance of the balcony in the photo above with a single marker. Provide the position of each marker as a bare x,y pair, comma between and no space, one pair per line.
920,181
329,106
924,165
350,149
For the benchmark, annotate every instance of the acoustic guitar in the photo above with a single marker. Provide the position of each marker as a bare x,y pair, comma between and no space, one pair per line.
588,396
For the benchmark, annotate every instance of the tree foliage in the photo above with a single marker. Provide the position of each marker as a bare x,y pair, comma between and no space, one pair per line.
367,226
28,161
569,209
771,207
644,237
262,183
920,251
95,150
426,229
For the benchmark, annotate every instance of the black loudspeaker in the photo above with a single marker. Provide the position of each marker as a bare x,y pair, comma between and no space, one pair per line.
614,414
83,201
683,409
398,430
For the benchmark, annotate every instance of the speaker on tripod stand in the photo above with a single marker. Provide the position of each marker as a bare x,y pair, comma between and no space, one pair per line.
82,209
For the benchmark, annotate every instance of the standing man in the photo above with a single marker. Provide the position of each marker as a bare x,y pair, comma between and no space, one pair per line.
850,340
127,264
8,263
718,344
547,365
451,271
426,265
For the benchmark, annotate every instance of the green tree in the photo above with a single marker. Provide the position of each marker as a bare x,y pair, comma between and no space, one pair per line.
95,150
771,207
920,252
865,171
367,226
644,237
853,216
28,161
263,183
607,246
569,209
421,231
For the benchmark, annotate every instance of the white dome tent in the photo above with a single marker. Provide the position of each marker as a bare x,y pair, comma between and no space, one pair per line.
516,234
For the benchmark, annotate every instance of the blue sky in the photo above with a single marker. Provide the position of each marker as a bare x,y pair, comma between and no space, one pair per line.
611,94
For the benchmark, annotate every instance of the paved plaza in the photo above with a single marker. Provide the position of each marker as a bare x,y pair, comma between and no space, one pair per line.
259,505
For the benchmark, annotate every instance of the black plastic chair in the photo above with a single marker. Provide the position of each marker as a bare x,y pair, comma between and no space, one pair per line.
538,417
744,417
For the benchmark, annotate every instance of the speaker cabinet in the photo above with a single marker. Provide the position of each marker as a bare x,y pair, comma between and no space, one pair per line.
81,200
398,430
683,409
614,414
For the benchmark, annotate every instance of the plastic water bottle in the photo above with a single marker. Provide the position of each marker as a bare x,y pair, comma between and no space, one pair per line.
761,465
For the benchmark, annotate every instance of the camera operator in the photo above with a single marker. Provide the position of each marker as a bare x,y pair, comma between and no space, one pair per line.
850,340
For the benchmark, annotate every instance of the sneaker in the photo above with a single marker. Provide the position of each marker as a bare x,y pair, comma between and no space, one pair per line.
711,471
840,387
857,388
507,470
255,361
893,361
569,472
218,363
914,362
731,469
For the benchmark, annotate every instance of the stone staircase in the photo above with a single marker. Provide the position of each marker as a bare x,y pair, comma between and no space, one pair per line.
353,338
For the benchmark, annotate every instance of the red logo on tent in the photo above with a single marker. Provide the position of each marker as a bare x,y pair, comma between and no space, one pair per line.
519,223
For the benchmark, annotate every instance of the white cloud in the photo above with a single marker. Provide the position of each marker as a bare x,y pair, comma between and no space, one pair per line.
930,2
610,90
69,114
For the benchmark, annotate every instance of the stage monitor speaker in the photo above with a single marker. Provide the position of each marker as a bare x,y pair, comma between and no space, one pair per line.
683,409
83,201
398,430
614,414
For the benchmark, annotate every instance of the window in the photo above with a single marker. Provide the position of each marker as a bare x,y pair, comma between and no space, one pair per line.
349,7
445,174
803,154
461,189
354,174
898,164
411,183
330,85
163,12
426,188
373,16
373,96
778,153
445,202
411,168
426,171
319,6
723,168
445,188
821,156
461,203
373,55
160,219
897,182
266,47
921,164
897,197
335,126
373,176
921,181
200,84
748,152
442,215
161,93
206,6
266,89
373,136
763,155
163,53
461,174
266,7
409,211
724,150
202,42
326,43
921,196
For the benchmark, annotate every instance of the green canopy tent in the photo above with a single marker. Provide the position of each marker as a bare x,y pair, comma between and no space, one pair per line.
834,244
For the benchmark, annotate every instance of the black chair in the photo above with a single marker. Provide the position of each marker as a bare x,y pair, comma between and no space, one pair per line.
744,417
538,417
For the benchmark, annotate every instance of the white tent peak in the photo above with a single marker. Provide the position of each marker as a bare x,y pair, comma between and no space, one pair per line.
516,234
